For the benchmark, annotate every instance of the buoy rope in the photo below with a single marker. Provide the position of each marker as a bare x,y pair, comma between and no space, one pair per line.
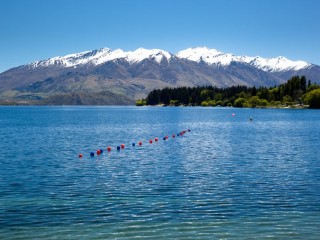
139,143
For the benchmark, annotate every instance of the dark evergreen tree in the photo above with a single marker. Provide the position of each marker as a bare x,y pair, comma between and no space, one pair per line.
293,90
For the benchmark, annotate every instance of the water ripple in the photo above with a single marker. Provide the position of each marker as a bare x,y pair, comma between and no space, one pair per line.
227,178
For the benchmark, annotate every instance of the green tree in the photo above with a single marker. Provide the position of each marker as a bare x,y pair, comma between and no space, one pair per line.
297,95
254,91
309,83
287,100
219,103
286,93
254,101
174,102
263,103
263,93
204,104
205,94
312,87
244,95
212,103
141,102
271,96
239,102
218,97
303,84
313,98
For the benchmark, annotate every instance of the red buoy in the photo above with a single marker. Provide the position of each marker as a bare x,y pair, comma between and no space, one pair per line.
98,152
80,155
173,136
122,146
109,149
140,143
156,139
150,141
167,137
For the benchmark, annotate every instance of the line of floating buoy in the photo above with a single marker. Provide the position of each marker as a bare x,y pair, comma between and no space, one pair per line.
122,146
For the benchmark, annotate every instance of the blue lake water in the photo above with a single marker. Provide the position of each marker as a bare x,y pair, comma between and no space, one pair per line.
228,178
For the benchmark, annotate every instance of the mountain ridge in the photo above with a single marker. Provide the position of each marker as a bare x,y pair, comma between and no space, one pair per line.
215,57
134,74
210,56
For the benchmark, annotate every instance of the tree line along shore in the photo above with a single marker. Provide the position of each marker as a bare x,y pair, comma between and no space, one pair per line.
296,92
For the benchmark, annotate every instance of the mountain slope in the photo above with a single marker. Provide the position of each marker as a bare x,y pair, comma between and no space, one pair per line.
215,57
134,74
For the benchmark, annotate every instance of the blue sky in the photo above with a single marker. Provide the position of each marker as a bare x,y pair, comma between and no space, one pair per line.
39,29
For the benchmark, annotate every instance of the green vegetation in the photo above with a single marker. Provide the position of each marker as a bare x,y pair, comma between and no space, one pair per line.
141,102
313,98
296,92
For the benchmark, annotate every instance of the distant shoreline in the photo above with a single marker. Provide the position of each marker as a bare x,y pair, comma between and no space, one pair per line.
13,104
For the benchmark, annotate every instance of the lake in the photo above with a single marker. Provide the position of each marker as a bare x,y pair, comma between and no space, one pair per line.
228,178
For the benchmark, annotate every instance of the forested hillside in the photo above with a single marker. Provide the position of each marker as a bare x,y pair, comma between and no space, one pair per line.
296,91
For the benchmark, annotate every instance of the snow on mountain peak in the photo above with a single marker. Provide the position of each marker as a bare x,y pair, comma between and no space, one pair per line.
74,59
197,54
102,55
277,64
209,56
141,54
215,57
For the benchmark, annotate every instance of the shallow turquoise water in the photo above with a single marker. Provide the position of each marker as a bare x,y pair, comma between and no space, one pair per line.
228,178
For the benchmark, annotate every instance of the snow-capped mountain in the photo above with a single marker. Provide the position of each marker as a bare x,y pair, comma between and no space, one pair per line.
215,57
209,56
199,54
130,75
101,56
276,64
